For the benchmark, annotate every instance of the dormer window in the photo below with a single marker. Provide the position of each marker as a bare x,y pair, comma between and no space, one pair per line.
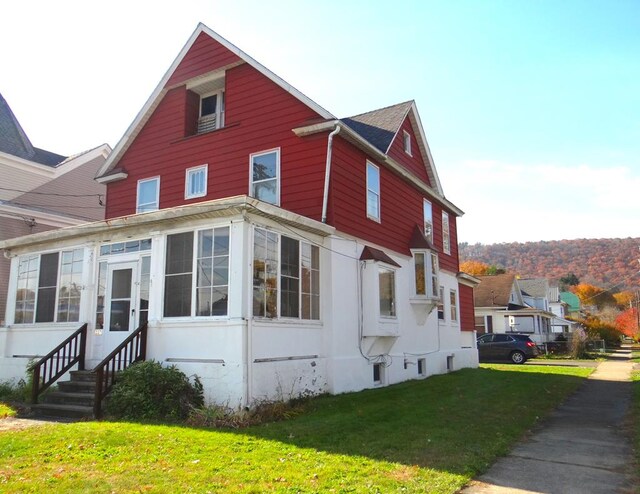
205,103
211,112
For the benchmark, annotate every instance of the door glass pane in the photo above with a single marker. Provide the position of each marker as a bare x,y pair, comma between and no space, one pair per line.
119,315
121,286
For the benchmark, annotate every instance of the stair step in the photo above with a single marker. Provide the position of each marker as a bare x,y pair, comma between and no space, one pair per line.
83,375
66,411
68,398
77,386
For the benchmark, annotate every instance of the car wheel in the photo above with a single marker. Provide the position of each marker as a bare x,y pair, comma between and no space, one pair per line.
518,357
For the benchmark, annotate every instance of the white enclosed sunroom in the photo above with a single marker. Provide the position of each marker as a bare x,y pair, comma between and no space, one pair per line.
260,303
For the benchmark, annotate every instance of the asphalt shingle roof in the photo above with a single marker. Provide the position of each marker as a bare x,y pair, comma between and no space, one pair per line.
14,141
379,126
493,290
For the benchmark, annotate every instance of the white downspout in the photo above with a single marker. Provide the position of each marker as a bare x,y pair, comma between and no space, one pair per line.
327,174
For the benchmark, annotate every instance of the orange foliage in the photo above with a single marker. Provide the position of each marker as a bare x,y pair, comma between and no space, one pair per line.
624,299
593,295
474,268
627,323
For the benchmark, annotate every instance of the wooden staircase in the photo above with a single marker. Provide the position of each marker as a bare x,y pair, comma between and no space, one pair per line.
74,399
82,396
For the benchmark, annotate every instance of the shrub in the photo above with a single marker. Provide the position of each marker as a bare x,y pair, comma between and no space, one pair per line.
578,344
149,391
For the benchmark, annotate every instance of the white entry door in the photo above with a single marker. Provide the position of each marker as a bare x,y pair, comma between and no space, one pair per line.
121,308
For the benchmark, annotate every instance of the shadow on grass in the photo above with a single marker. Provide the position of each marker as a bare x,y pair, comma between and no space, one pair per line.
458,422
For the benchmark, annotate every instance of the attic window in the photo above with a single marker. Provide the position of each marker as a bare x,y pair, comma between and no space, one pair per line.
211,112
406,139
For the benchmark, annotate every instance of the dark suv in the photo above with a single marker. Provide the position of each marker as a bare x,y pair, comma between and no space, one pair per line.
516,348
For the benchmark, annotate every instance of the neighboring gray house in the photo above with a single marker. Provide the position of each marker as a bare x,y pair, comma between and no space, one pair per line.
539,293
41,190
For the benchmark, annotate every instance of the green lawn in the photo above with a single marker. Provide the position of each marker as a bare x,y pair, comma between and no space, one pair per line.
421,436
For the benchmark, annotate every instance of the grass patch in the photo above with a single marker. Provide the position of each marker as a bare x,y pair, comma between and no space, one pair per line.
6,411
420,436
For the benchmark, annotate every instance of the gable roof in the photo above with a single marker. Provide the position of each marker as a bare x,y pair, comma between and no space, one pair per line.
14,140
494,290
162,88
379,127
534,287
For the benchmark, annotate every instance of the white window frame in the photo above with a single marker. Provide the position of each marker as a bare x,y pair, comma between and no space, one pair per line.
191,172
394,294
430,273
377,193
156,202
193,310
453,305
427,213
406,142
446,233
276,178
219,114
279,276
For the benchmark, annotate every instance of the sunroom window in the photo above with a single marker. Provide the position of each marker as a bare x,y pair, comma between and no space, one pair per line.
206,252
286,277
49,287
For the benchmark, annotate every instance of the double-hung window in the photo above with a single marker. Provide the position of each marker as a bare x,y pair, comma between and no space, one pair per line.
373,191
446,238
49,287
148,198
286,277
196,182
265,173
453,305
207,253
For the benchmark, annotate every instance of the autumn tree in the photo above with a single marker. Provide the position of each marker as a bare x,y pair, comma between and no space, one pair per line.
474,268
624,299
627,323
593,295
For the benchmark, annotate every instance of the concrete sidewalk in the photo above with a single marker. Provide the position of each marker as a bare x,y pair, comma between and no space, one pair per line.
583,447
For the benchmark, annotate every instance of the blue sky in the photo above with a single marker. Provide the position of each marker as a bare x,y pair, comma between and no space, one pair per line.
531,108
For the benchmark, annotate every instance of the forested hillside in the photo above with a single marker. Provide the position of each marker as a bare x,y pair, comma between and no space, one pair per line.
602,262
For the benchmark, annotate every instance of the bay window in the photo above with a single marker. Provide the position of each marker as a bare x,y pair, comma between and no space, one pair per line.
387,292
426,273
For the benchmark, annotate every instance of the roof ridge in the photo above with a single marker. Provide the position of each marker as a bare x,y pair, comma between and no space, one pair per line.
380,109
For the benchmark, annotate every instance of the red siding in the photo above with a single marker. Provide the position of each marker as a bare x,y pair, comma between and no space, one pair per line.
205,55
259,116
401,206
413,163
467,316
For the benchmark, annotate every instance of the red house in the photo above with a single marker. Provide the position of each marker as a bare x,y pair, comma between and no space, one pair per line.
259,242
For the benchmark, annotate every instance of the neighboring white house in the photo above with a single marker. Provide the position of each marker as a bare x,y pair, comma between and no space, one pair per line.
539,293
501,306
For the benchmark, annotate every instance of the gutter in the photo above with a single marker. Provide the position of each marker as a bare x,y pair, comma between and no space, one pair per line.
327,173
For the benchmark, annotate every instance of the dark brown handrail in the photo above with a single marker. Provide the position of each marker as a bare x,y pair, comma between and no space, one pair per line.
130,351
58,361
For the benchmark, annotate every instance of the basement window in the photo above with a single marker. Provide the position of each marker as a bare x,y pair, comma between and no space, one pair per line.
421,366
378,370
